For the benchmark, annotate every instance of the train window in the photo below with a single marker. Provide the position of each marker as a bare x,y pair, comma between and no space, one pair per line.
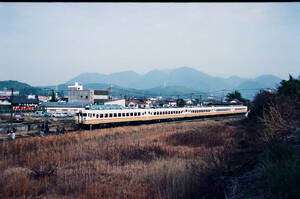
131,114
110,115
123,114
161,113
139,113
127,114
115,114
119,114
154,113
106,115
135,114
97,115
94,115
101,115
84,114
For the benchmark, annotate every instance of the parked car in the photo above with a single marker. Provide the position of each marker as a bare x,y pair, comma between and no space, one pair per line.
69,114
58,115
18,117
46,114
38,114
64,114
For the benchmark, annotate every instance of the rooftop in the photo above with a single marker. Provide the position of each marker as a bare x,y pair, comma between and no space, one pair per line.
64,104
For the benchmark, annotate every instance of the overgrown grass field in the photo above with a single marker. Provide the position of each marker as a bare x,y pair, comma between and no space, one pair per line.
178,160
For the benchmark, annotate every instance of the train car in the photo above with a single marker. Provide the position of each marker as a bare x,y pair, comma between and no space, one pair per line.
94,117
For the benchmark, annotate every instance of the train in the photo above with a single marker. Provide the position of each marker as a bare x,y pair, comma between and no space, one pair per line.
125,115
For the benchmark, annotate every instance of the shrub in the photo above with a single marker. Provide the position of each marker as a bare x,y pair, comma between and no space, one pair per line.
282,170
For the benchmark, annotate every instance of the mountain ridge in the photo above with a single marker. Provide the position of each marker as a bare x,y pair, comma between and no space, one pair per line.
172,82
182,76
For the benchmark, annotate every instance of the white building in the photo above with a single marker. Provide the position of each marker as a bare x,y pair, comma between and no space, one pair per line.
77,94
99,96
76,87
63,107
120,102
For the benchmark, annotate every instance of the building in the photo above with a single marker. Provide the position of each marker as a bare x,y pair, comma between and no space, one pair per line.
5,105
42,98
121,102
170,102
63,107
7,93
99,96
25,103
77,94
135,103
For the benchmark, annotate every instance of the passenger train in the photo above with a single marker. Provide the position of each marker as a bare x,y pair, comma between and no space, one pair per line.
94,117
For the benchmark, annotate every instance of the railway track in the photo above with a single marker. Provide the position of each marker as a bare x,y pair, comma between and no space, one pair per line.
215,118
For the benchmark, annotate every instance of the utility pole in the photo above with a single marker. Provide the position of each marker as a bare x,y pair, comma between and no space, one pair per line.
12,108
223,94
200,100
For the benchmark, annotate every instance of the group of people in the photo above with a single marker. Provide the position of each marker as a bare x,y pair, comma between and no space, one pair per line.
44,129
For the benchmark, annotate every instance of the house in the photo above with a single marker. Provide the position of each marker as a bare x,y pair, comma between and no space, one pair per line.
170,102
5,104
135,103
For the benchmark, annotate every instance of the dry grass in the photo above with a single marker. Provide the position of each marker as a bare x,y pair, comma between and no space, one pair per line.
150,161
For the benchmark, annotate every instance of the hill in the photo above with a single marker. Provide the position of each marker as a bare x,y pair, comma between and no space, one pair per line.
185,79
23,88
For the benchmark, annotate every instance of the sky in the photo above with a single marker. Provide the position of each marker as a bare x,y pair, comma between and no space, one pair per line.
50,43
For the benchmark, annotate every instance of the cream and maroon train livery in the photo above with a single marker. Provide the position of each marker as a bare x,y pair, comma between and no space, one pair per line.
133,115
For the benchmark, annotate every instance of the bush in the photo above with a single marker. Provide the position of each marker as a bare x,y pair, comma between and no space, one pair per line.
282,171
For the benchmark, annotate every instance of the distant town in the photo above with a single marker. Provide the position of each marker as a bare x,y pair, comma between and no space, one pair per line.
78,98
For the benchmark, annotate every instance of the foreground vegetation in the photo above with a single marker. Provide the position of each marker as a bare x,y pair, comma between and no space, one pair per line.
154,161
254,158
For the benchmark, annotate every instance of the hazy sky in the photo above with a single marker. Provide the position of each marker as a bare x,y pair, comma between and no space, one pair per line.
49,43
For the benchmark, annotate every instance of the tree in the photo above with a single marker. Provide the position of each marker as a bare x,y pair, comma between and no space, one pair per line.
289,88
234,95
237,95
53,98
196,101
181,103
